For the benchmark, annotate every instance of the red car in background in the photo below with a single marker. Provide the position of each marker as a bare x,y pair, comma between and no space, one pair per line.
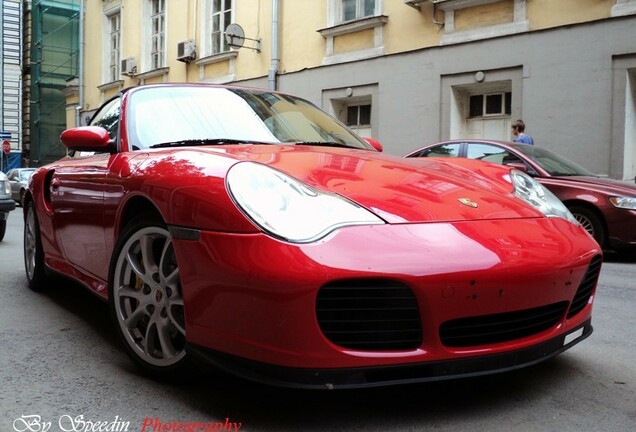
605,207
249,230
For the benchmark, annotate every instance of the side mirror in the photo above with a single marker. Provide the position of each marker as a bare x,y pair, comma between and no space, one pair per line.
519,166
373,143
87,138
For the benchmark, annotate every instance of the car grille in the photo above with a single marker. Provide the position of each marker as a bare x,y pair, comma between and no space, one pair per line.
584,292
376,315
488,329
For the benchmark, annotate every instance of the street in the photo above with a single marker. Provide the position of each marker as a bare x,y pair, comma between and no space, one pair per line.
62,368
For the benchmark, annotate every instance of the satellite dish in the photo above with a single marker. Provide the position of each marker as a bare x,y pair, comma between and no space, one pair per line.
234,35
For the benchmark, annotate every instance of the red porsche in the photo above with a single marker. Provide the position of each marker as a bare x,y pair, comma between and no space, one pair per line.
249,230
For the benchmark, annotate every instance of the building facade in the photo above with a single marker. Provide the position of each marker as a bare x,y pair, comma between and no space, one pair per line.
11,82
51,59
406,72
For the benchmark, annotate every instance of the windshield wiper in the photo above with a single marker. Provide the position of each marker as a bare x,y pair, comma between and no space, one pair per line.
325,143
200,142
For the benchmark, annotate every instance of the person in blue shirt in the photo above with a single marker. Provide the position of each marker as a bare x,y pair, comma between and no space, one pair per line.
518,130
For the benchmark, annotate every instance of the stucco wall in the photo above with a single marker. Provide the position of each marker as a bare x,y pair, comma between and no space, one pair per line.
566,87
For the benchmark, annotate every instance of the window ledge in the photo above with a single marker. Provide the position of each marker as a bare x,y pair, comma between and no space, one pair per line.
624,7
153,73
485,33
217,58
353,56
461,4
111,85
354,26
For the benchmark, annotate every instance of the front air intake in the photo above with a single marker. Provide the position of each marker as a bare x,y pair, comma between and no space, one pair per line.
370,315
583,294
502,327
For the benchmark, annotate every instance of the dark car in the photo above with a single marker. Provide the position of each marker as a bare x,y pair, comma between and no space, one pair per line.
6,203
19,179
605,207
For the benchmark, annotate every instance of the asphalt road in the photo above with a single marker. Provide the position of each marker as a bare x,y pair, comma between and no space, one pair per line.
62,369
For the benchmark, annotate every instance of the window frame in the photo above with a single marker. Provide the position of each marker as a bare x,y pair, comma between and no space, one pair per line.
359,8
506,105
157,55
113,54
207,29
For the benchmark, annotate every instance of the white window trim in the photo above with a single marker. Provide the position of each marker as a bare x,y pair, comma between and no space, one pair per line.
229,56
146,34
142,77
206,28
338,28
335,100
334,12
520,22
108,13
624,7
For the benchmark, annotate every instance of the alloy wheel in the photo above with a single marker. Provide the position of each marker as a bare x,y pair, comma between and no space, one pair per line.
147,298
30,243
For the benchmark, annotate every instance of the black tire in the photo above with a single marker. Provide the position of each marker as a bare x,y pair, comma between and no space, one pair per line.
591,221
145,298
33,253
21,197
3,228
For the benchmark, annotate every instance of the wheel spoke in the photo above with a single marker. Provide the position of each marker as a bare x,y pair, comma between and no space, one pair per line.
126,291
157,335
172,279
138,268
176,322
131,321
146,243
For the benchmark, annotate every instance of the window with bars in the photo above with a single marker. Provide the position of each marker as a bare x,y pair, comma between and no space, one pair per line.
158,21
221,17
114,46
356,9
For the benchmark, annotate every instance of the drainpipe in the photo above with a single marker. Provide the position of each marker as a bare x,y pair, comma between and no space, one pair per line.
80,68
273,85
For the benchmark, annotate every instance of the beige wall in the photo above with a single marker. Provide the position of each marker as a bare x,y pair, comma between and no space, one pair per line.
301,45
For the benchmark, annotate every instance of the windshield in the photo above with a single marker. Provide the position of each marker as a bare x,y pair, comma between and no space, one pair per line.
26,174
553,163
157,115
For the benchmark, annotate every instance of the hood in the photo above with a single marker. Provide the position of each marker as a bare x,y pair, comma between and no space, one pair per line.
396,189
601,184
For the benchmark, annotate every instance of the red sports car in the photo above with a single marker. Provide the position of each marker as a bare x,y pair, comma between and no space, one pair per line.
250,230
605,207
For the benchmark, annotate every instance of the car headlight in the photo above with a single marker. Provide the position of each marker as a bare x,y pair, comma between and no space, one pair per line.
288,208
539,197
624,202
6,186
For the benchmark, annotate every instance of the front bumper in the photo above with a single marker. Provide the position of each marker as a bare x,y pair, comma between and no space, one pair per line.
255,298
6,205
621,225
394,374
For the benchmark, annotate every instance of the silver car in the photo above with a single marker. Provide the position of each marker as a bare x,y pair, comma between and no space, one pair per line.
6,203
19,179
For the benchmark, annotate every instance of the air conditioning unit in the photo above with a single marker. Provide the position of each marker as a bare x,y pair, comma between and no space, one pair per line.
128,66
186,51
414,3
